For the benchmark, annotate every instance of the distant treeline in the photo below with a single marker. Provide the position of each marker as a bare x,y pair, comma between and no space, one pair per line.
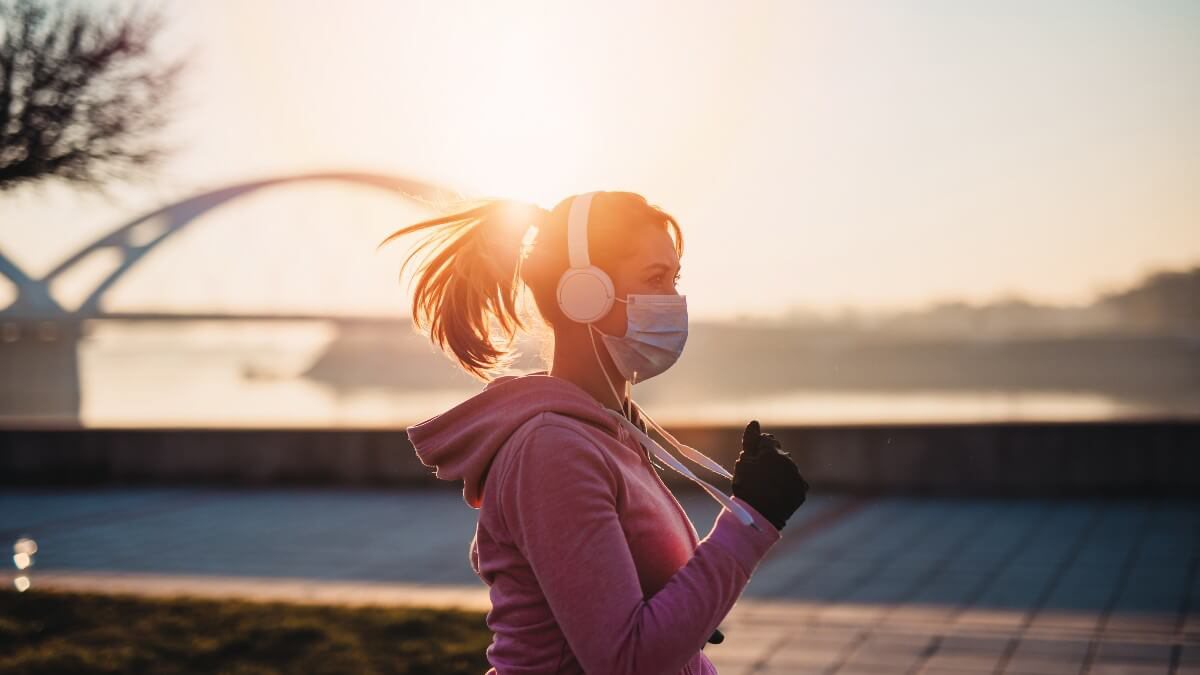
1164,303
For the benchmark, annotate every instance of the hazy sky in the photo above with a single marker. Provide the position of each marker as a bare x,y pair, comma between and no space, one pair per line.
874,154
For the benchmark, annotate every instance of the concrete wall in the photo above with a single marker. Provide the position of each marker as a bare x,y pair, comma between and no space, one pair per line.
1114,458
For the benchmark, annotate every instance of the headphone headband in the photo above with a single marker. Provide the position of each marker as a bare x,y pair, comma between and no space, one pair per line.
577,234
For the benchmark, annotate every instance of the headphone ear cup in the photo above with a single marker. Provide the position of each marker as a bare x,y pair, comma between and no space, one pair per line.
585,294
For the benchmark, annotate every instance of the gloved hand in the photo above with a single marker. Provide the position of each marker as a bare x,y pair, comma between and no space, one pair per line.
766,478
716,638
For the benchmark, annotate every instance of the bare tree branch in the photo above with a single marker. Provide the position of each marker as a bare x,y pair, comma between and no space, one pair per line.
81,97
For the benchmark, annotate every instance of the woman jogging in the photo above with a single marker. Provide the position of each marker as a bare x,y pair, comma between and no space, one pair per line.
592,564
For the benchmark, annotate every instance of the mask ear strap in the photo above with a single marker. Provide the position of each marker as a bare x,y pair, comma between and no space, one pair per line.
687,450
604,370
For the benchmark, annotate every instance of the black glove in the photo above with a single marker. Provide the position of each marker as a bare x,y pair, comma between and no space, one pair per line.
716,638
766,478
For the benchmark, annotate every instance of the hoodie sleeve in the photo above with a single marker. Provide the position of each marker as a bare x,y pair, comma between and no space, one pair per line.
559,501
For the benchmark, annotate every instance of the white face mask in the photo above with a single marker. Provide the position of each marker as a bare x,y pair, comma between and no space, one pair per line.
656,331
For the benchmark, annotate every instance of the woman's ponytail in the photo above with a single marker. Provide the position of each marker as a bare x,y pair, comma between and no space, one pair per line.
470,278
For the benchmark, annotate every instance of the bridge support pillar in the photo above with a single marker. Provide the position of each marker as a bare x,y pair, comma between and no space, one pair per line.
39,360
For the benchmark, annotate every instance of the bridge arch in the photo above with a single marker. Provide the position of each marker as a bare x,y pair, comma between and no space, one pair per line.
34,294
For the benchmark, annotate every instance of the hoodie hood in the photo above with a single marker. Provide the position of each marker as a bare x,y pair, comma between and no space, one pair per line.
461,442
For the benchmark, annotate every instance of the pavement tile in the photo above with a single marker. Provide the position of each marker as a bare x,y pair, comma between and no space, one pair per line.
791,670
731,667
1189,655
833,644
1124,621
849,613
999,619
869,669
1053,648
967,653
897,661
973,644
921,613
806,658
1043,668
1132,652
1128,669
1037,656
961,663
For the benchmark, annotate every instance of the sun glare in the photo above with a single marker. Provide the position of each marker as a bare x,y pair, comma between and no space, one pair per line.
520,132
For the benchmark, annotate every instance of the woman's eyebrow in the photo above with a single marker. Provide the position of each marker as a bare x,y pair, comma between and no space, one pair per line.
657,265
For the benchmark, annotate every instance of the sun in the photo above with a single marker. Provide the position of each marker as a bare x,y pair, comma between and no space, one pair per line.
520,127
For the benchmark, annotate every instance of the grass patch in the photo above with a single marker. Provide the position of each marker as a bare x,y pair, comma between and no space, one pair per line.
58,632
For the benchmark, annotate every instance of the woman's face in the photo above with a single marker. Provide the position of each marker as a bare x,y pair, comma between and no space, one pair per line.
650,270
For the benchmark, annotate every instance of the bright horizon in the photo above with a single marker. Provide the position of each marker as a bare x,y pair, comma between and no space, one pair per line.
817,156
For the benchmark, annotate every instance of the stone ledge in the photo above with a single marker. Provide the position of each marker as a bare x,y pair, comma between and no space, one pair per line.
1120,458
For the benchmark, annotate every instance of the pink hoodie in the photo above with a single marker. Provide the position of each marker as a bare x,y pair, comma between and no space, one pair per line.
592,564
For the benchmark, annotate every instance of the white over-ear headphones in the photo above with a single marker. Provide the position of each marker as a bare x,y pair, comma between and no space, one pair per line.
585,292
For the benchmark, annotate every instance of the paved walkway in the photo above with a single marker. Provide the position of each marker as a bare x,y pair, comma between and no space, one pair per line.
891,585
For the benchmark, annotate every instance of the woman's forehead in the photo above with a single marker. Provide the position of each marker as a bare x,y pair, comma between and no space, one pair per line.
653,246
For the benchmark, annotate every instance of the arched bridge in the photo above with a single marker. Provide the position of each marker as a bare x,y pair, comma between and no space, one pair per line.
138,237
